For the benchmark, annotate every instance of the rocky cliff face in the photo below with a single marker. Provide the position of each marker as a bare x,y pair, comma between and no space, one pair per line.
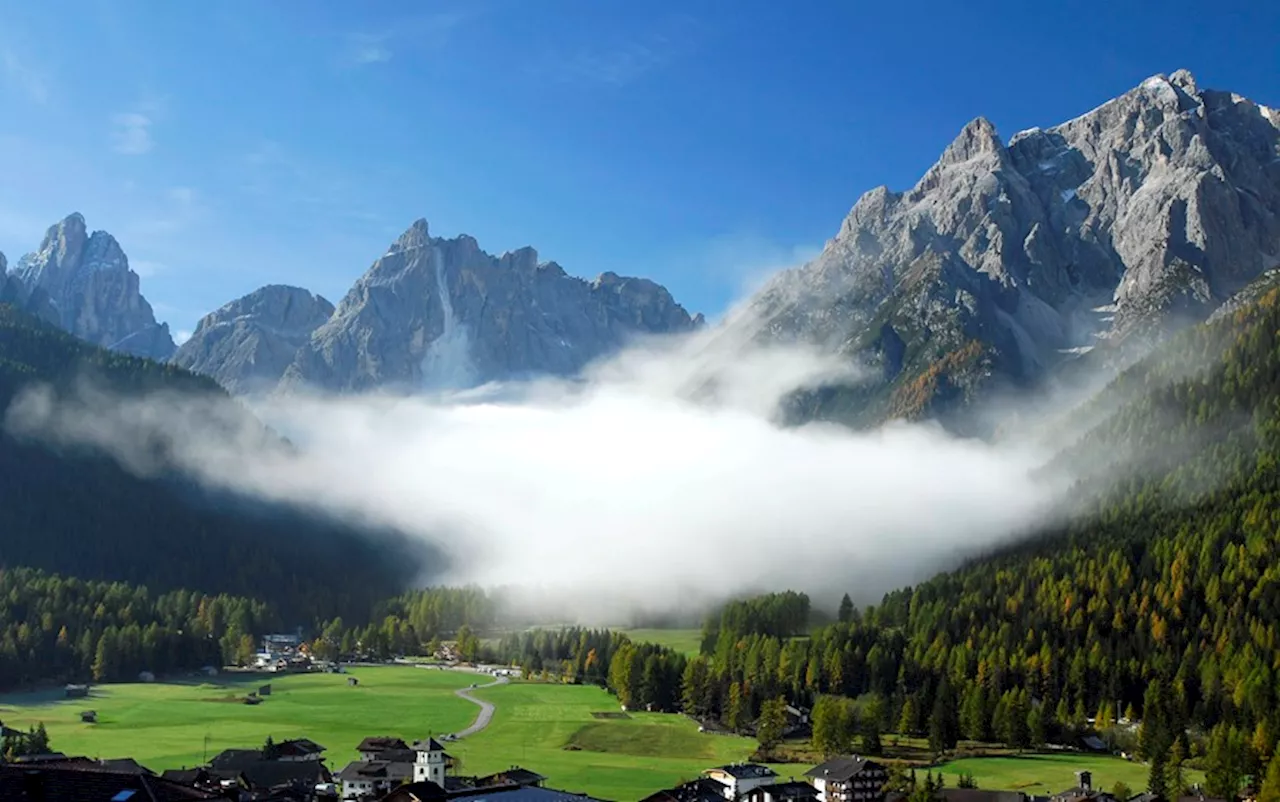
89,286
1005,259
249,343
437,313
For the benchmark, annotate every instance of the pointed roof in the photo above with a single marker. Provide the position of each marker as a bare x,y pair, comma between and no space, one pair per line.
429,745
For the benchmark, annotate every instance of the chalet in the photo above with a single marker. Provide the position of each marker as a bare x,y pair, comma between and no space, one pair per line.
792,791
703,789
1083,791
265,690
374,778
232,759
299,749
849,779
76,691
374,747
88,717
512,776
739,778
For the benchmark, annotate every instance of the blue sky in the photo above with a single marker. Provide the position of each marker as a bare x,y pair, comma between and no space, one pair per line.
238,143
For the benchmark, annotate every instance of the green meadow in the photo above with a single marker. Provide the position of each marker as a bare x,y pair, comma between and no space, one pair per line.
685,641
574,735
1048,773
553,730
165,725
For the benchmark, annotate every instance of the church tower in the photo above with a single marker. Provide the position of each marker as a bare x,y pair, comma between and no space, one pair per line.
430,763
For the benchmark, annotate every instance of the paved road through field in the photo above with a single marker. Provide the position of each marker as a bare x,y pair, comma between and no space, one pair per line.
486,709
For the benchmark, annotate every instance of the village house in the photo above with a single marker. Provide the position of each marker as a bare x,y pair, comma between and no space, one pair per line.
849,779
372,778
512,776
298,749
384,747
739,778
790,791
703,789
1084,791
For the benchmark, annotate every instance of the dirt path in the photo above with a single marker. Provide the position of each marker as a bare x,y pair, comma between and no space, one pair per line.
486,708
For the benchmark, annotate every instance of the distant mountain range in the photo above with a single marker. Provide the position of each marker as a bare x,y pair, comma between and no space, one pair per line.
1003,262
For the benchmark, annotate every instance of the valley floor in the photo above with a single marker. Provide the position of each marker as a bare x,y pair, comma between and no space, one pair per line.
556,730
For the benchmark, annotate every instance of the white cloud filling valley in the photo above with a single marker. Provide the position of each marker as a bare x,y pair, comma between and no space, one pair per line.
658,479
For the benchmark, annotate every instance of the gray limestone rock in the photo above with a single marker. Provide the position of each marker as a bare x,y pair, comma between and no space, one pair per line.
93,292
249,343
441,313
1139,216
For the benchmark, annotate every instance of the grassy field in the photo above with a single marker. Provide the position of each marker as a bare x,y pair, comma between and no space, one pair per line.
1050,773
551,729
687,641
164,725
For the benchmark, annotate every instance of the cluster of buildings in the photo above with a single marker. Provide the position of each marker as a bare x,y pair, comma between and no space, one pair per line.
851,778
391,770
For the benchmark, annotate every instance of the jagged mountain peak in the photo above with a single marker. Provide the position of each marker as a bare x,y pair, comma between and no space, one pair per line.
1003,260
977,138
417,235
86,280
433,313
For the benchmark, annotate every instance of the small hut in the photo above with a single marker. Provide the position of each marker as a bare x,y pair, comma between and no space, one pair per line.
146,676
77,691
253,699
89,716
265,690
352,681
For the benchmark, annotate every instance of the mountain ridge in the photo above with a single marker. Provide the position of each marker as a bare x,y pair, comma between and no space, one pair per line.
1004,260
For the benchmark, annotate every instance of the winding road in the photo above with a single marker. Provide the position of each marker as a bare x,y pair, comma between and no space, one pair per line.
486,708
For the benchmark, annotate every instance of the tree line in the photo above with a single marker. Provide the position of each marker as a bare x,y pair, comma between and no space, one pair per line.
67,629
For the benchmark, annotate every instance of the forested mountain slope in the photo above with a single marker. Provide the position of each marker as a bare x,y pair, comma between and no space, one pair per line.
82,515
1162,601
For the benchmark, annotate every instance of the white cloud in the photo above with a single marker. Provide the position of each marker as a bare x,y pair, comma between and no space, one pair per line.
20,76
370,50
660,476
181,336
131,133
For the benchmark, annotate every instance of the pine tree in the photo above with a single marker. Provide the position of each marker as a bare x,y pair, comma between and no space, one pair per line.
1270,790
907,720
1156,780
737,715
1175,783
944,726
773,718
846,610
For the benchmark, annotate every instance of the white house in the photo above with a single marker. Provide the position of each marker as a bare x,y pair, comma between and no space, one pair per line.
431,762
739,778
